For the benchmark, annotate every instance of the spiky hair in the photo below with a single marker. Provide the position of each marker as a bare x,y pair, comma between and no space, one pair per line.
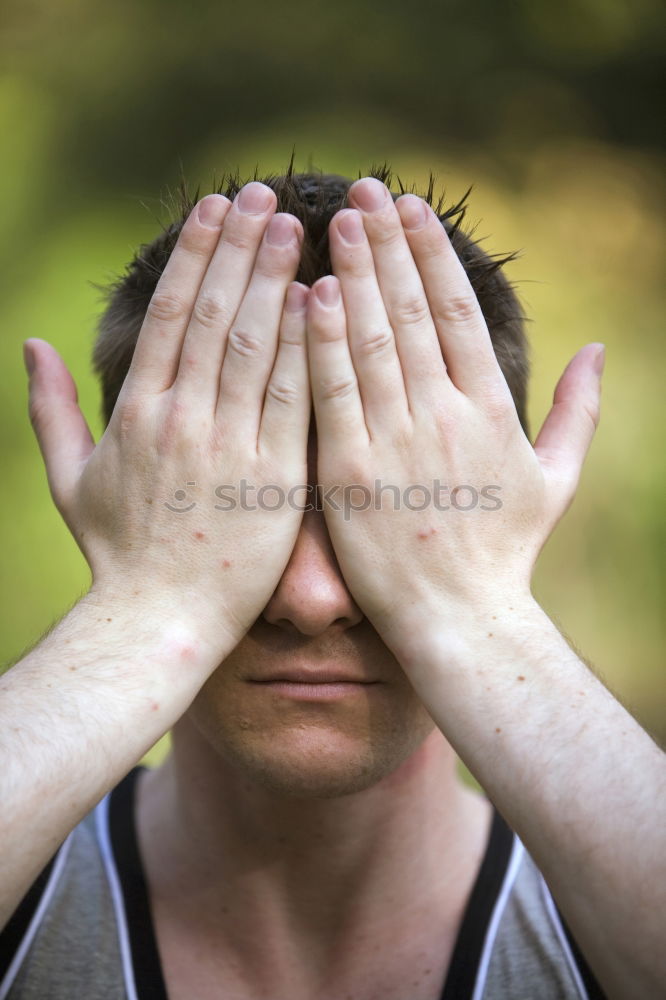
313,198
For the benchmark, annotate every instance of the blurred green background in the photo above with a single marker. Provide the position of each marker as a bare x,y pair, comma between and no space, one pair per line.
549,110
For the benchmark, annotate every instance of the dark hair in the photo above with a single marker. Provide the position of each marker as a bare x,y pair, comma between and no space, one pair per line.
314,198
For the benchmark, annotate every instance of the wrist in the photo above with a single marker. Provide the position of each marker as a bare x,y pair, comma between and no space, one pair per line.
166,627
457,636
111,641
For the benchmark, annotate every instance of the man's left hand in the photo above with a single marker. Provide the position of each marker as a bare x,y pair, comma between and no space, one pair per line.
443,502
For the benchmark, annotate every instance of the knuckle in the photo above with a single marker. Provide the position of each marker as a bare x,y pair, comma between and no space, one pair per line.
376,343
458,309
445,419
357,263
37,411
432,246
592,410
172,427
387,235
279,263
195,241
239,237
165,307
282,391
402,438
209,310
355,474
292,336
244,344
498,402
127,416
412,311
337,387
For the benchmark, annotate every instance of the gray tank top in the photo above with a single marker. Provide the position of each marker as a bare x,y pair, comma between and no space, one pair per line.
85,930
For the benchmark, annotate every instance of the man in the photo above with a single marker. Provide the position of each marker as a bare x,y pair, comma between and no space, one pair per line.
320,663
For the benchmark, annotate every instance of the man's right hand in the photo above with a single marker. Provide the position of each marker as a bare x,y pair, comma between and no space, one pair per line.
217,393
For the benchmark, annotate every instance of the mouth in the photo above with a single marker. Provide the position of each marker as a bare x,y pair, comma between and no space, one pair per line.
312,677
315,685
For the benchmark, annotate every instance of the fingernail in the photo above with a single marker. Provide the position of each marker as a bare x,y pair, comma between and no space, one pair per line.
351,228
600,359
28,359
328,292
413,211
280,230
297,297
255,198
212,210
369,194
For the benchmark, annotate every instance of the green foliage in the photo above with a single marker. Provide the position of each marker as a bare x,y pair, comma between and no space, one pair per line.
547,110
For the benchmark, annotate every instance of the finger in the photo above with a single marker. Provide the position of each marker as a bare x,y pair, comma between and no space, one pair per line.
220,295
461,328
286,412
61,430
157,353
402,291
371,341
253,339
567,431
335,392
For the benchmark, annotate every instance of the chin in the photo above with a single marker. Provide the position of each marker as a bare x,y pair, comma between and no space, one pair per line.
317,758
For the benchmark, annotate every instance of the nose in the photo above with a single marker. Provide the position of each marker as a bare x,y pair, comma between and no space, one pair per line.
312,596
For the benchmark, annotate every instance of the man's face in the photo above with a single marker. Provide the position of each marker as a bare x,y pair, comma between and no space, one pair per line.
309,741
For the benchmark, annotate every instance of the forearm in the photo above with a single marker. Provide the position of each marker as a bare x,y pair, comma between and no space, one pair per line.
76,714
570,770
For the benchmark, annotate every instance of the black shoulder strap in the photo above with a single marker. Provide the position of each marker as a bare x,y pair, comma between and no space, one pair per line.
146,963
466,956
593,988
15,931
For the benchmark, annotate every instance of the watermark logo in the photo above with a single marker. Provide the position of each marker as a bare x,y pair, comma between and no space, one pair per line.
349,498
180,496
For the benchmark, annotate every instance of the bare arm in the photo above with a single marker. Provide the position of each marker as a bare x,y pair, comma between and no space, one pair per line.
419,397
76,714
217,392
571,771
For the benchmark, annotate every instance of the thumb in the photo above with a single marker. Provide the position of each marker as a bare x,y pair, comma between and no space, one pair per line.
567,431
61,430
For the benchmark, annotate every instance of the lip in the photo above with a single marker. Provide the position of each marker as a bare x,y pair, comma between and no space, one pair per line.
316,690
312,677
